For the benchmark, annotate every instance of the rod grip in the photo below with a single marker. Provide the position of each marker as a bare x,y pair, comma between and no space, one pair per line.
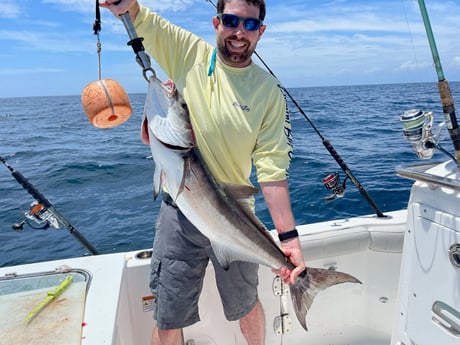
447,104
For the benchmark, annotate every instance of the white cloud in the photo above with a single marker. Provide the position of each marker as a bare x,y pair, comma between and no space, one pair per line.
171,5
307,42
28,71
457,60
9,9
412,66
49,42
82,6
85,6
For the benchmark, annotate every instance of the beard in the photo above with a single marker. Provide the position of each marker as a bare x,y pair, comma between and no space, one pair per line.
235,58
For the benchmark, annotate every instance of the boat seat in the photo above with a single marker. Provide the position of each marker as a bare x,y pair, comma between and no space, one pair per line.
349,240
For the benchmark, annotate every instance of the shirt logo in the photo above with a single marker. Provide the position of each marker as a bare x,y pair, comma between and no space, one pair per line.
242,107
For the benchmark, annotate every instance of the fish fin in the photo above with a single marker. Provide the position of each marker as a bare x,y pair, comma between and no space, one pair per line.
221,254
157,182
224,256
243,194
309,283
240,192
180,182
145,131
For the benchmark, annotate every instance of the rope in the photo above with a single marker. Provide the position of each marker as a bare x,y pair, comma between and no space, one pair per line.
97,29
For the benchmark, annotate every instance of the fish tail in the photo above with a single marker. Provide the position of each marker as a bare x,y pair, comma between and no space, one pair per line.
309,283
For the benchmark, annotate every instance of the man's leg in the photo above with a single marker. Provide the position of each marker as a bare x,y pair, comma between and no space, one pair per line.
167,337
237,287
179,260
253,326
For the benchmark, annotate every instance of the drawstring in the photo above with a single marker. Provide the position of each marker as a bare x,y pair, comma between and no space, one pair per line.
212,65
212,75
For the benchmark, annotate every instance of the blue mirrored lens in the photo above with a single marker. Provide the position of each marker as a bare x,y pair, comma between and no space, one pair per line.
232,21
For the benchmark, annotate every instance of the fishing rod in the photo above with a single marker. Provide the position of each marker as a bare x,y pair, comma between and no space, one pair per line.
443,85
27,185
325,142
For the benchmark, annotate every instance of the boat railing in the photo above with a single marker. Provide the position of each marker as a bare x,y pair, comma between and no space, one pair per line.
419,172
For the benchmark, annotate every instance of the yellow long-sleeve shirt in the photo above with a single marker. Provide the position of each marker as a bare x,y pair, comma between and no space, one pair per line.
238,115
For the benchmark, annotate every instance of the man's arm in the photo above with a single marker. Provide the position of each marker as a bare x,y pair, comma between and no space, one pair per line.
277,198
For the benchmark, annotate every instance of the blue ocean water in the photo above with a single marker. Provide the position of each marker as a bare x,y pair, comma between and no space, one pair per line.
100,180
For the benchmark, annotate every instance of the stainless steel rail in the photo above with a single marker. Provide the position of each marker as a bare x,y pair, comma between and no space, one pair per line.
418,172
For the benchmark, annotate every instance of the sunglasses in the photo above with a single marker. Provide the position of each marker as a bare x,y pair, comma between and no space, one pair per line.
232,21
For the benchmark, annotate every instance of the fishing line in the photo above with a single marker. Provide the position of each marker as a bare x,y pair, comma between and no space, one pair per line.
27,185
412,41
325,142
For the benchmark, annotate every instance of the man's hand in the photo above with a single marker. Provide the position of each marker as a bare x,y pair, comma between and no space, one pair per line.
118,7
292,249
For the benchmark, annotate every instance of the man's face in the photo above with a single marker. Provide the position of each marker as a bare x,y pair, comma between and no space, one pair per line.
236,45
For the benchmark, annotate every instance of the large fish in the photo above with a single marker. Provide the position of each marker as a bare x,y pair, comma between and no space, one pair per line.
220,212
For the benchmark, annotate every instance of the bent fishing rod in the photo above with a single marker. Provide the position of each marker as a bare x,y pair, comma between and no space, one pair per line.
325,142
27,185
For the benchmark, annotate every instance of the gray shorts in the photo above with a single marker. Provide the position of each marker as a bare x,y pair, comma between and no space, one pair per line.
180,256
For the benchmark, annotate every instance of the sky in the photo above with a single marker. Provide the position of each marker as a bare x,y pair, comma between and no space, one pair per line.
48,48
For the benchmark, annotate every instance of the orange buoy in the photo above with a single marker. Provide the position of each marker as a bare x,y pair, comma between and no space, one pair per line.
106,103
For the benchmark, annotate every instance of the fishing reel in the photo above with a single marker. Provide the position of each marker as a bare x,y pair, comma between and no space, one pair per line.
417,128
332,183
38,217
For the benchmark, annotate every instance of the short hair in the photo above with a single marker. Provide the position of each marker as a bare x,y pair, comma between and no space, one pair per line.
257,3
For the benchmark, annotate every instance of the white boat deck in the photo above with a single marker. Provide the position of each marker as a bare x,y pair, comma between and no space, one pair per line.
118,302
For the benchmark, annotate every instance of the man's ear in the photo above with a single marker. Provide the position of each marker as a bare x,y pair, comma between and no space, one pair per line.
215,22
261,31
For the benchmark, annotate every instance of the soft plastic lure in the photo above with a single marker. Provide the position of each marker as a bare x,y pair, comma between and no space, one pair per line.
52,294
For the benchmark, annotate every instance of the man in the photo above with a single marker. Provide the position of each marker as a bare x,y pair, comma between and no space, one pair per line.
239,116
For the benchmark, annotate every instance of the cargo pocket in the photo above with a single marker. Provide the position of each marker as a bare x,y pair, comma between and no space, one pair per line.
155,275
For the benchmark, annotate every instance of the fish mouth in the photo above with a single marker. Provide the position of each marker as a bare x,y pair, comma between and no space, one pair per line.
173,147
